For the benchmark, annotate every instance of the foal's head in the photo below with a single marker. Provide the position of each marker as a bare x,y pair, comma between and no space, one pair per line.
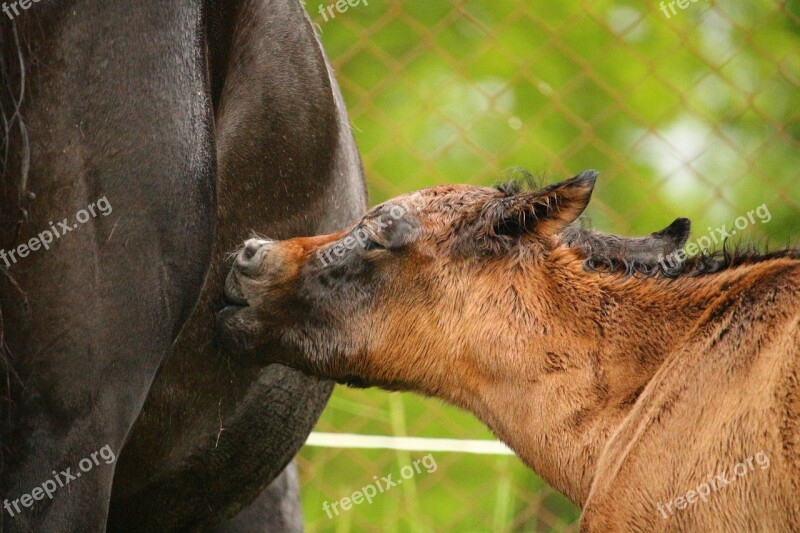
422,282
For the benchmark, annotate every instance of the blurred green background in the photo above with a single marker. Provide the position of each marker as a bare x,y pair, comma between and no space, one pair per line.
693,115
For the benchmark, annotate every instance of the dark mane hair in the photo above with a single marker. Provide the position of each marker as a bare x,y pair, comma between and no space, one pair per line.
698,265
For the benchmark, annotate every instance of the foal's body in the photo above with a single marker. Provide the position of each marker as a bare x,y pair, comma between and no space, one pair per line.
623,393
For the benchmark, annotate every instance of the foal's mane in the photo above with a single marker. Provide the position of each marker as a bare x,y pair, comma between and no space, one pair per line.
698,265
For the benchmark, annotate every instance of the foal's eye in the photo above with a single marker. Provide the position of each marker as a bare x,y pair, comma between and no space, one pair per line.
370,244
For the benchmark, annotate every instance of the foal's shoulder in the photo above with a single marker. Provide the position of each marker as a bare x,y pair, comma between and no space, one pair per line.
729,390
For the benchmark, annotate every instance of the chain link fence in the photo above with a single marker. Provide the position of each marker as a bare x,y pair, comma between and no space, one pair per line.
688,108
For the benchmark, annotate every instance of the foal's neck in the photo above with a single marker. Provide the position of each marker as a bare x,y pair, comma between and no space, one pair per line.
557,396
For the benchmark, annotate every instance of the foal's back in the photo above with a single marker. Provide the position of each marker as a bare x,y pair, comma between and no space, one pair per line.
729,401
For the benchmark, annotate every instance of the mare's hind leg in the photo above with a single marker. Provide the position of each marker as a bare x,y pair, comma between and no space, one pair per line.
288,166
111,158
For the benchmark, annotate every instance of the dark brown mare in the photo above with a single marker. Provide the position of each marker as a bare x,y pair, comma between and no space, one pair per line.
193,122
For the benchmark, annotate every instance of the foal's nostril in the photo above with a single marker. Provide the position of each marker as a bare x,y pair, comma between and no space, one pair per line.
250,250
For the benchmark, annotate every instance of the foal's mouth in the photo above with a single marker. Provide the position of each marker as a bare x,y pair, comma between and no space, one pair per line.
233,292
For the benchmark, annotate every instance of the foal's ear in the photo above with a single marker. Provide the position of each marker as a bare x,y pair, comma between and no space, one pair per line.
545,212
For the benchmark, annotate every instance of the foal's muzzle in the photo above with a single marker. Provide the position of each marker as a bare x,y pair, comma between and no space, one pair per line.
249,258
